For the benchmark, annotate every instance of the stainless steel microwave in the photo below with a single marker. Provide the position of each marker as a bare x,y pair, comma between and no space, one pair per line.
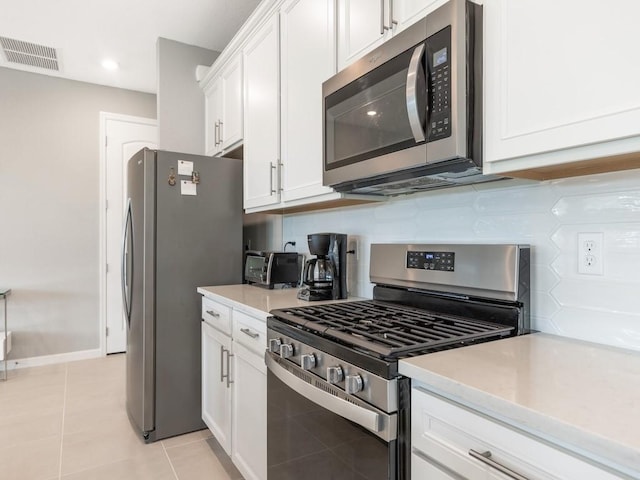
408,116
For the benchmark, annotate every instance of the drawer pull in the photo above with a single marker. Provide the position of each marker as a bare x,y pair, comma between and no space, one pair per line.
213,314
246,331
485,457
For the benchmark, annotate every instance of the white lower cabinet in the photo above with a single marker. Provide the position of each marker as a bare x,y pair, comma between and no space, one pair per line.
234,390
216,392
450,441
249,413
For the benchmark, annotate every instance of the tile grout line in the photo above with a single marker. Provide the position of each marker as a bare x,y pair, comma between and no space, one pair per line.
64,408
166,454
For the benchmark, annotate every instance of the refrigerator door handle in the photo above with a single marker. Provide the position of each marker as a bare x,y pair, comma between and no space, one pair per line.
126,279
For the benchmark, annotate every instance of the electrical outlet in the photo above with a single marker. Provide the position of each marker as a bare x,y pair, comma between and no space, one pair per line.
590,253
353,246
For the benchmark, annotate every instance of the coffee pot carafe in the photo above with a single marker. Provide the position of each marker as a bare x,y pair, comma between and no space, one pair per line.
325,276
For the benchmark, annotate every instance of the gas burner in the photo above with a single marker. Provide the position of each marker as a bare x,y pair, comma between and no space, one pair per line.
388,330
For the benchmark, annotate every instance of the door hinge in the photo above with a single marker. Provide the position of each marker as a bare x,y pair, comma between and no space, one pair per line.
107,331
107,268
106,141
106,204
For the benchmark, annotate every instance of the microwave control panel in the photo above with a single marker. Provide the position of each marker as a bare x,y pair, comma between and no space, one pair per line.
439,83
443,261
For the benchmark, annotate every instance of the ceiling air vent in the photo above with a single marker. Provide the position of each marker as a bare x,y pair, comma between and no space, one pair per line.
29,54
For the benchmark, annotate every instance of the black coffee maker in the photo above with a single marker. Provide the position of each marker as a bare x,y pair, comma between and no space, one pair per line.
325,277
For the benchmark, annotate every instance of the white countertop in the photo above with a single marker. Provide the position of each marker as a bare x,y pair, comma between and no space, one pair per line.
580,395
258,301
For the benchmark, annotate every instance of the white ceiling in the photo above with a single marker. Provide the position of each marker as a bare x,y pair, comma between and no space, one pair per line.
85,32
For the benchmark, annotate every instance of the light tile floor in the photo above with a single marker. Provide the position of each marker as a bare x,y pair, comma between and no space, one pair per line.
69,422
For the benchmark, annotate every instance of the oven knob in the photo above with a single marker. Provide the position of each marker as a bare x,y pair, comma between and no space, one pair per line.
307,362
274,345
353,384
286,350
334,374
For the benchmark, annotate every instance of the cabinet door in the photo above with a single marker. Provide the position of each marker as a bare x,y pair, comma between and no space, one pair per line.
424,468
262,117
216,394
231,124
407,12
249,413
559,76
446,433
308,59
213,110
362,26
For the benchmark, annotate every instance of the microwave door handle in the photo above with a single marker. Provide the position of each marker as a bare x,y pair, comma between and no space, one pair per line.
415,80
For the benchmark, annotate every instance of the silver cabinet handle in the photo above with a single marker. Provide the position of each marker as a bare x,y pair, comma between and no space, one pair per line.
213,314
393,22
246,331
485,457
224,352
228,374
222,363
383,25
272,167
415,85
220,131
215,134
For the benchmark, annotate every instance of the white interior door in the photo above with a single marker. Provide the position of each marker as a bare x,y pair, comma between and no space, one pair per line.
123,137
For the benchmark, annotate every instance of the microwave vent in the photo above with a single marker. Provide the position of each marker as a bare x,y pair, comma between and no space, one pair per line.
29,54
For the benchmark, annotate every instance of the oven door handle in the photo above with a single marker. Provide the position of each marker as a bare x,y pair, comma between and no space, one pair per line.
416,85
366,418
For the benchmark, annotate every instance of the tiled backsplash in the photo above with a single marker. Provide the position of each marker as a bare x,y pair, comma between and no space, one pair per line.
546,215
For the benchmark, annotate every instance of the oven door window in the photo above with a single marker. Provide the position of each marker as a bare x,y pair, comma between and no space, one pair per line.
381,112
305,440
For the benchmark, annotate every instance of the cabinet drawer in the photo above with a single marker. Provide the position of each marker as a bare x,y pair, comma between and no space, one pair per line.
250,332
217,315
446,433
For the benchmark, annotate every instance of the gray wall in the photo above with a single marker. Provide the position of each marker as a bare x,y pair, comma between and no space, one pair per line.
49,195
180,99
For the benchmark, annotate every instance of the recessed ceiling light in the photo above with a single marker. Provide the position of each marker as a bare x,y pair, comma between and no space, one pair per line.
371,113
109,64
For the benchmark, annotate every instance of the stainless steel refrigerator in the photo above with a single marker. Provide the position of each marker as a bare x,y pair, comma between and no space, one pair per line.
183,229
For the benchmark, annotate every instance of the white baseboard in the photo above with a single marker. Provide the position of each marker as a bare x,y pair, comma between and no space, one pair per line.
13,363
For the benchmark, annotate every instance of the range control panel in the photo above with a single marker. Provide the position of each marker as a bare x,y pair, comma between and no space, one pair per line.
443,261
439,83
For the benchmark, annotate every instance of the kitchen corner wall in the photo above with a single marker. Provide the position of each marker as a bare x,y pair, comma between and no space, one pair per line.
49,200
180,98
546,215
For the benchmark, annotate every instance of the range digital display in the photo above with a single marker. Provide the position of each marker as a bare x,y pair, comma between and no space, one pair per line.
442,261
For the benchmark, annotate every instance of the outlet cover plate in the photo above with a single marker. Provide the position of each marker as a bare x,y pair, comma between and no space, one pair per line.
591,253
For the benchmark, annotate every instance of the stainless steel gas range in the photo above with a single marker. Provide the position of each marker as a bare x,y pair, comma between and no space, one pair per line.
337,408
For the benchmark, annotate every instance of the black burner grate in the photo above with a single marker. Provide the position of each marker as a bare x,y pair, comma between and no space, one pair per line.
389,330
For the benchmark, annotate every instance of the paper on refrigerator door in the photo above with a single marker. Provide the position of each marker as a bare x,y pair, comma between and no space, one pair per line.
185,168
187,187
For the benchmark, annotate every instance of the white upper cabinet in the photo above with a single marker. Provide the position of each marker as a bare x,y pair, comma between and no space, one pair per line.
561,86
365,24
307,59
407,12
262,117
213,112
223,109
361,28
230,129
